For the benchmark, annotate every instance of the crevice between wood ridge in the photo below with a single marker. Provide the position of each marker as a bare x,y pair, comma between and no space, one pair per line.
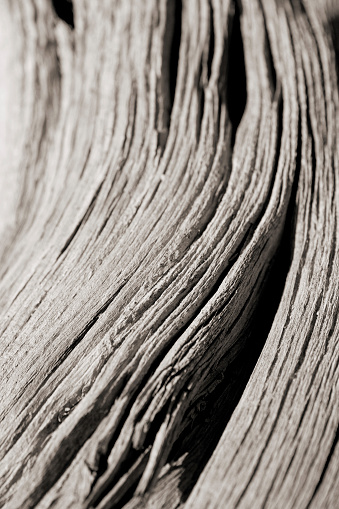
236,91
174,52
64,10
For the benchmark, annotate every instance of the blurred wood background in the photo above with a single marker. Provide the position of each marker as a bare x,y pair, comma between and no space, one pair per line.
169,209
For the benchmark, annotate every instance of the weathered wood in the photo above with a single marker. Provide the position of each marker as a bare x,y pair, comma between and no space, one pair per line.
161,226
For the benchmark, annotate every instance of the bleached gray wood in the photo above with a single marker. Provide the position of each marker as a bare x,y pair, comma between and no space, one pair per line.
139,232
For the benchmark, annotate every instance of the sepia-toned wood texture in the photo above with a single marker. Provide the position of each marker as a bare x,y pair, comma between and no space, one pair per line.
169,201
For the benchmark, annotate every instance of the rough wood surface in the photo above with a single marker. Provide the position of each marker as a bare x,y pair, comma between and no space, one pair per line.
169,254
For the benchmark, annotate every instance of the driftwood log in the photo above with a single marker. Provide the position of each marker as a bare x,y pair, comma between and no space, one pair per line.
169,254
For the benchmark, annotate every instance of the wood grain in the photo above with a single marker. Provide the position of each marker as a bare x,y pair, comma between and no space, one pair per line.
169,254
